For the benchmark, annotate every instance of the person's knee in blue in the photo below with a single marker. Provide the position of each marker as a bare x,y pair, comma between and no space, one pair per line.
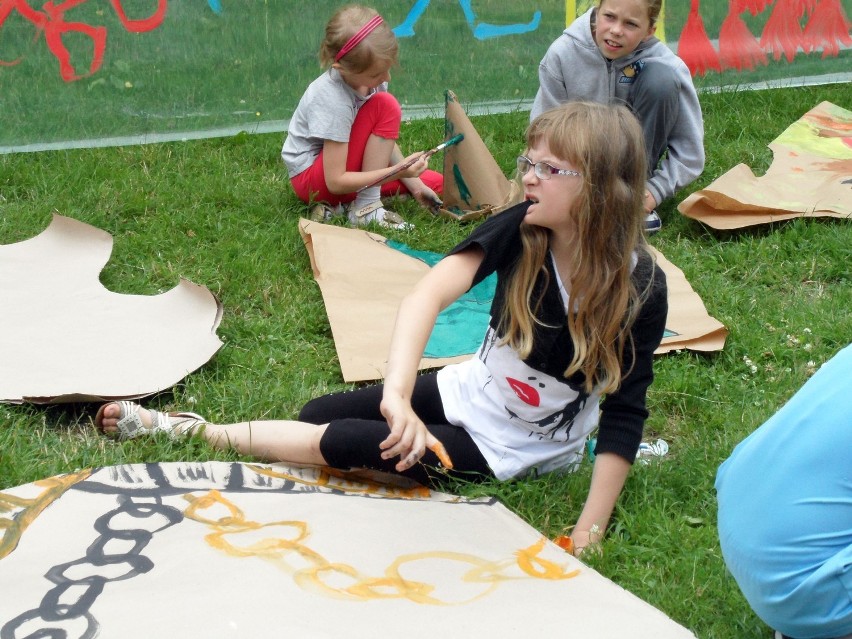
785,510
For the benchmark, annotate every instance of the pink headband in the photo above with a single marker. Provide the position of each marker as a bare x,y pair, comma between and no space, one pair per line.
355,40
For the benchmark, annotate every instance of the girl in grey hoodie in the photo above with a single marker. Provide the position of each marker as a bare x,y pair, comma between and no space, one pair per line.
610,55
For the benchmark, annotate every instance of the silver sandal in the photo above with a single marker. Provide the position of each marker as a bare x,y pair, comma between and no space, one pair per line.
390,219
130,424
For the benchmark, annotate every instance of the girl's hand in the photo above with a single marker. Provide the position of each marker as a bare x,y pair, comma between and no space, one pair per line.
420,164
649,203
409,436
586,541
427,198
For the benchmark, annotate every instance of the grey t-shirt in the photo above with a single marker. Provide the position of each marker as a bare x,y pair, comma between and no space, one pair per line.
325,112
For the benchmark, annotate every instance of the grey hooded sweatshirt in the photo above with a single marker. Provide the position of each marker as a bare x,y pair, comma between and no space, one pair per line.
574,69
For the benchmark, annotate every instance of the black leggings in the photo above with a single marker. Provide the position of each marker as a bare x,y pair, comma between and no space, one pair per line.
356,427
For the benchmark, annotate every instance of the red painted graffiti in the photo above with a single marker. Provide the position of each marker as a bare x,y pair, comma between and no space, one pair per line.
51,21
826,27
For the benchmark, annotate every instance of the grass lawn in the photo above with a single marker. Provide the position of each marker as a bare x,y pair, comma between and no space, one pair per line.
221,213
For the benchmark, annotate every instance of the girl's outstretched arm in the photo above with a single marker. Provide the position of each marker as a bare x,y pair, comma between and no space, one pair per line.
441,286
608,477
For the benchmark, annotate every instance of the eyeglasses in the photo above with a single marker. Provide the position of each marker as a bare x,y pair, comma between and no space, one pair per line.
543,170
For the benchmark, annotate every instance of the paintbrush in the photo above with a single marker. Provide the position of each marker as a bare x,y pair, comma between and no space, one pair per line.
453,140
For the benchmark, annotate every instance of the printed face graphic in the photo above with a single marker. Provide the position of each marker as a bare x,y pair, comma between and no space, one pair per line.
543,404
555,424
525,391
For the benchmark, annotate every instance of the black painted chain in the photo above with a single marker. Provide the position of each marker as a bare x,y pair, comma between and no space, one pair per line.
86,589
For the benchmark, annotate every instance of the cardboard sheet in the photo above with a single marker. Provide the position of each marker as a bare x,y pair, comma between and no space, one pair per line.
235,550
64,337
810,176
474,186
688,325
362,296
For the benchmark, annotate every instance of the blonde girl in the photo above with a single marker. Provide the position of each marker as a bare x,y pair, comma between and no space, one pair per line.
579,309
342,136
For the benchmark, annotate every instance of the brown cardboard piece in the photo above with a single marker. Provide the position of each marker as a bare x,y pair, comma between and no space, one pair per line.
810,176
64,337
688,325
362,296
474,186
221,549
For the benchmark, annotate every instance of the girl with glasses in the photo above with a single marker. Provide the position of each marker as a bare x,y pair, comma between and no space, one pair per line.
579,310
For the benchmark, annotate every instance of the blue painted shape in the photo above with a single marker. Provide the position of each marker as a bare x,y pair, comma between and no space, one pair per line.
484,31
481,30
216,6
406,29
459,327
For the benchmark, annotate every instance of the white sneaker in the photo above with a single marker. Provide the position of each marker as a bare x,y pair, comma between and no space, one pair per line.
659,448
653,223
377,214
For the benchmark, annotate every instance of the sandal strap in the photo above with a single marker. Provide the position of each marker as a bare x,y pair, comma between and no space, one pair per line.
130,425
160,423
184,423
364,211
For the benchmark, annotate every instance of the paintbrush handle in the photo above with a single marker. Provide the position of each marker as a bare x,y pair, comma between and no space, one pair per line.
453,140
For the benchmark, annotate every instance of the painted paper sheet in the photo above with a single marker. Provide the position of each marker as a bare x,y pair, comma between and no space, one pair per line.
236,550
362,296
59,322
810,176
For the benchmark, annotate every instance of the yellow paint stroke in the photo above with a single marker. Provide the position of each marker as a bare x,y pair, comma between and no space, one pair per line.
349,483
484,573
825,131
343,581
535,566
14,526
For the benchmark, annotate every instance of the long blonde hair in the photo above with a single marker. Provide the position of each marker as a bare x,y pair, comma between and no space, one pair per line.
379,45
605,144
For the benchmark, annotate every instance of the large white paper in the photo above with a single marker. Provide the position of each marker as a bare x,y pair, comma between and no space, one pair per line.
234,550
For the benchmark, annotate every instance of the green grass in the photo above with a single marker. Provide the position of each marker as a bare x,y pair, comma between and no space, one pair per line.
221,213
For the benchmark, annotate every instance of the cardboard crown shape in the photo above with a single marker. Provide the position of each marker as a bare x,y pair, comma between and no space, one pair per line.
474,185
